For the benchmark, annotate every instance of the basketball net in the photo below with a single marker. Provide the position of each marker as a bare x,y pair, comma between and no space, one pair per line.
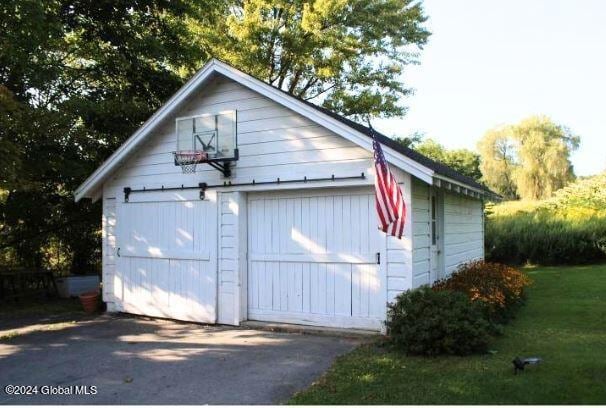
188,159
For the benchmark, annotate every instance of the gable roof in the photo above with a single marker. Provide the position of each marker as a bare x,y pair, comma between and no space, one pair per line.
406,159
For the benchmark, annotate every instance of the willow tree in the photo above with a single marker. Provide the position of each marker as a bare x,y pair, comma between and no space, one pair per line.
530,160
498,161
348,56
544,150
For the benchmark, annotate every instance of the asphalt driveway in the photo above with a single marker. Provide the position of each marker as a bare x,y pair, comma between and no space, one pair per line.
136,361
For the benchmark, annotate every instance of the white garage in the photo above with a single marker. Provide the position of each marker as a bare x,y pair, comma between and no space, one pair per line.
236,201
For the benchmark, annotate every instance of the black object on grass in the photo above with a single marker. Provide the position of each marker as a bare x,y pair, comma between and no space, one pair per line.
520,363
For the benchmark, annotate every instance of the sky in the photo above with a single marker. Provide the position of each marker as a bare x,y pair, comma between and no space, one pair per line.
495,62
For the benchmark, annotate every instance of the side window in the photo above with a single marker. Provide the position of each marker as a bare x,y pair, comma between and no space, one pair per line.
434,221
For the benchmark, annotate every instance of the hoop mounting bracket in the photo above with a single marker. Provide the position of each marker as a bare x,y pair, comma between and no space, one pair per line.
223,167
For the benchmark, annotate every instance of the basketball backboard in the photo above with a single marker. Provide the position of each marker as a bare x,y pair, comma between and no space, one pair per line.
214,134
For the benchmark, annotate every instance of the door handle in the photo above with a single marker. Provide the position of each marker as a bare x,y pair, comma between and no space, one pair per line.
118,252
378,258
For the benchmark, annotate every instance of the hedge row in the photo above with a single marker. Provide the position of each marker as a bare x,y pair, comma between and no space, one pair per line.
547,239
569,228
458,315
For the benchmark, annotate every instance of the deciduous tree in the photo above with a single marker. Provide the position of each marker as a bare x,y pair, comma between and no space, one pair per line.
464,161
543,150
77,78
348,55
530,160
498,161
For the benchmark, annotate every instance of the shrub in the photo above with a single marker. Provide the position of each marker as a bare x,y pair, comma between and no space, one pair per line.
428,322
497,288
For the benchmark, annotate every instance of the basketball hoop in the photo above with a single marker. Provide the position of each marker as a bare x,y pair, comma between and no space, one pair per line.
188,159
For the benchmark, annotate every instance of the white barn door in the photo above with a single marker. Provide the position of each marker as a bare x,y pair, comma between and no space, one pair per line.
313,258
166,259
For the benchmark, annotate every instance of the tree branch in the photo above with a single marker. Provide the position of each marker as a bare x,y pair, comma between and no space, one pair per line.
295,81
311,82
321,92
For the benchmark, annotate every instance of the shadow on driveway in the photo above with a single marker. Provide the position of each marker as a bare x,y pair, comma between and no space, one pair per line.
145,361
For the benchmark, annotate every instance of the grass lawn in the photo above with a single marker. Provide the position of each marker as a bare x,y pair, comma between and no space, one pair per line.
564,322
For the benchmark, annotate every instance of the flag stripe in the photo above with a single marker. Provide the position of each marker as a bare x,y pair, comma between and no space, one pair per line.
389,203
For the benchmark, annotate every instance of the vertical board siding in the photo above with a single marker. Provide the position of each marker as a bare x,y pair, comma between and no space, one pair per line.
463,230
421,233
291,280
167,258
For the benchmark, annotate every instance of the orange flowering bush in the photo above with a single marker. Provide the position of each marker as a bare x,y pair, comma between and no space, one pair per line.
497,287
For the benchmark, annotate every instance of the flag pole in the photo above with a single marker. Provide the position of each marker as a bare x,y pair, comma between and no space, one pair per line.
372,130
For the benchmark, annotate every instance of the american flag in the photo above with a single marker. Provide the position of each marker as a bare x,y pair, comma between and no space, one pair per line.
388,196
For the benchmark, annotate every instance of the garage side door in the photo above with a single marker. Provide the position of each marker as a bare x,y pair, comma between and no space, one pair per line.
313,259
167,259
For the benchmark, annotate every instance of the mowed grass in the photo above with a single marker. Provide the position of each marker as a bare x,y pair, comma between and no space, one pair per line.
563,322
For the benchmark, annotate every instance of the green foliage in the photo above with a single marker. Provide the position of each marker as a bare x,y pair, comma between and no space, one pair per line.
10,155
529,159
410,141
464,161
498,288
568,228
428,322
498,162
541,238
85,76
588,194
348,55
543,151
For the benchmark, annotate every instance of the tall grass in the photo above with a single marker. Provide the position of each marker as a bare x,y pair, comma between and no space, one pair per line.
568,228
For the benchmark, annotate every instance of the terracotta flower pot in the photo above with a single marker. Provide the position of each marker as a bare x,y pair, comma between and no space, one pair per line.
90,301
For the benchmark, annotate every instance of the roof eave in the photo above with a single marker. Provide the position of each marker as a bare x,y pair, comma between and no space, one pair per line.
463,188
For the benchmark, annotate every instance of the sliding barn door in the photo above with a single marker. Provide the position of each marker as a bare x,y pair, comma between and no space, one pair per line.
314,258
166,259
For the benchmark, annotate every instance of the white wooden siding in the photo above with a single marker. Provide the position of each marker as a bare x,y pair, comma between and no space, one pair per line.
421,233
108,238
399,251
271,140
232,258
463,230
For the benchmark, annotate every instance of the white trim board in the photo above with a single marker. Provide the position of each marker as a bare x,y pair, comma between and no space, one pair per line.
92,185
